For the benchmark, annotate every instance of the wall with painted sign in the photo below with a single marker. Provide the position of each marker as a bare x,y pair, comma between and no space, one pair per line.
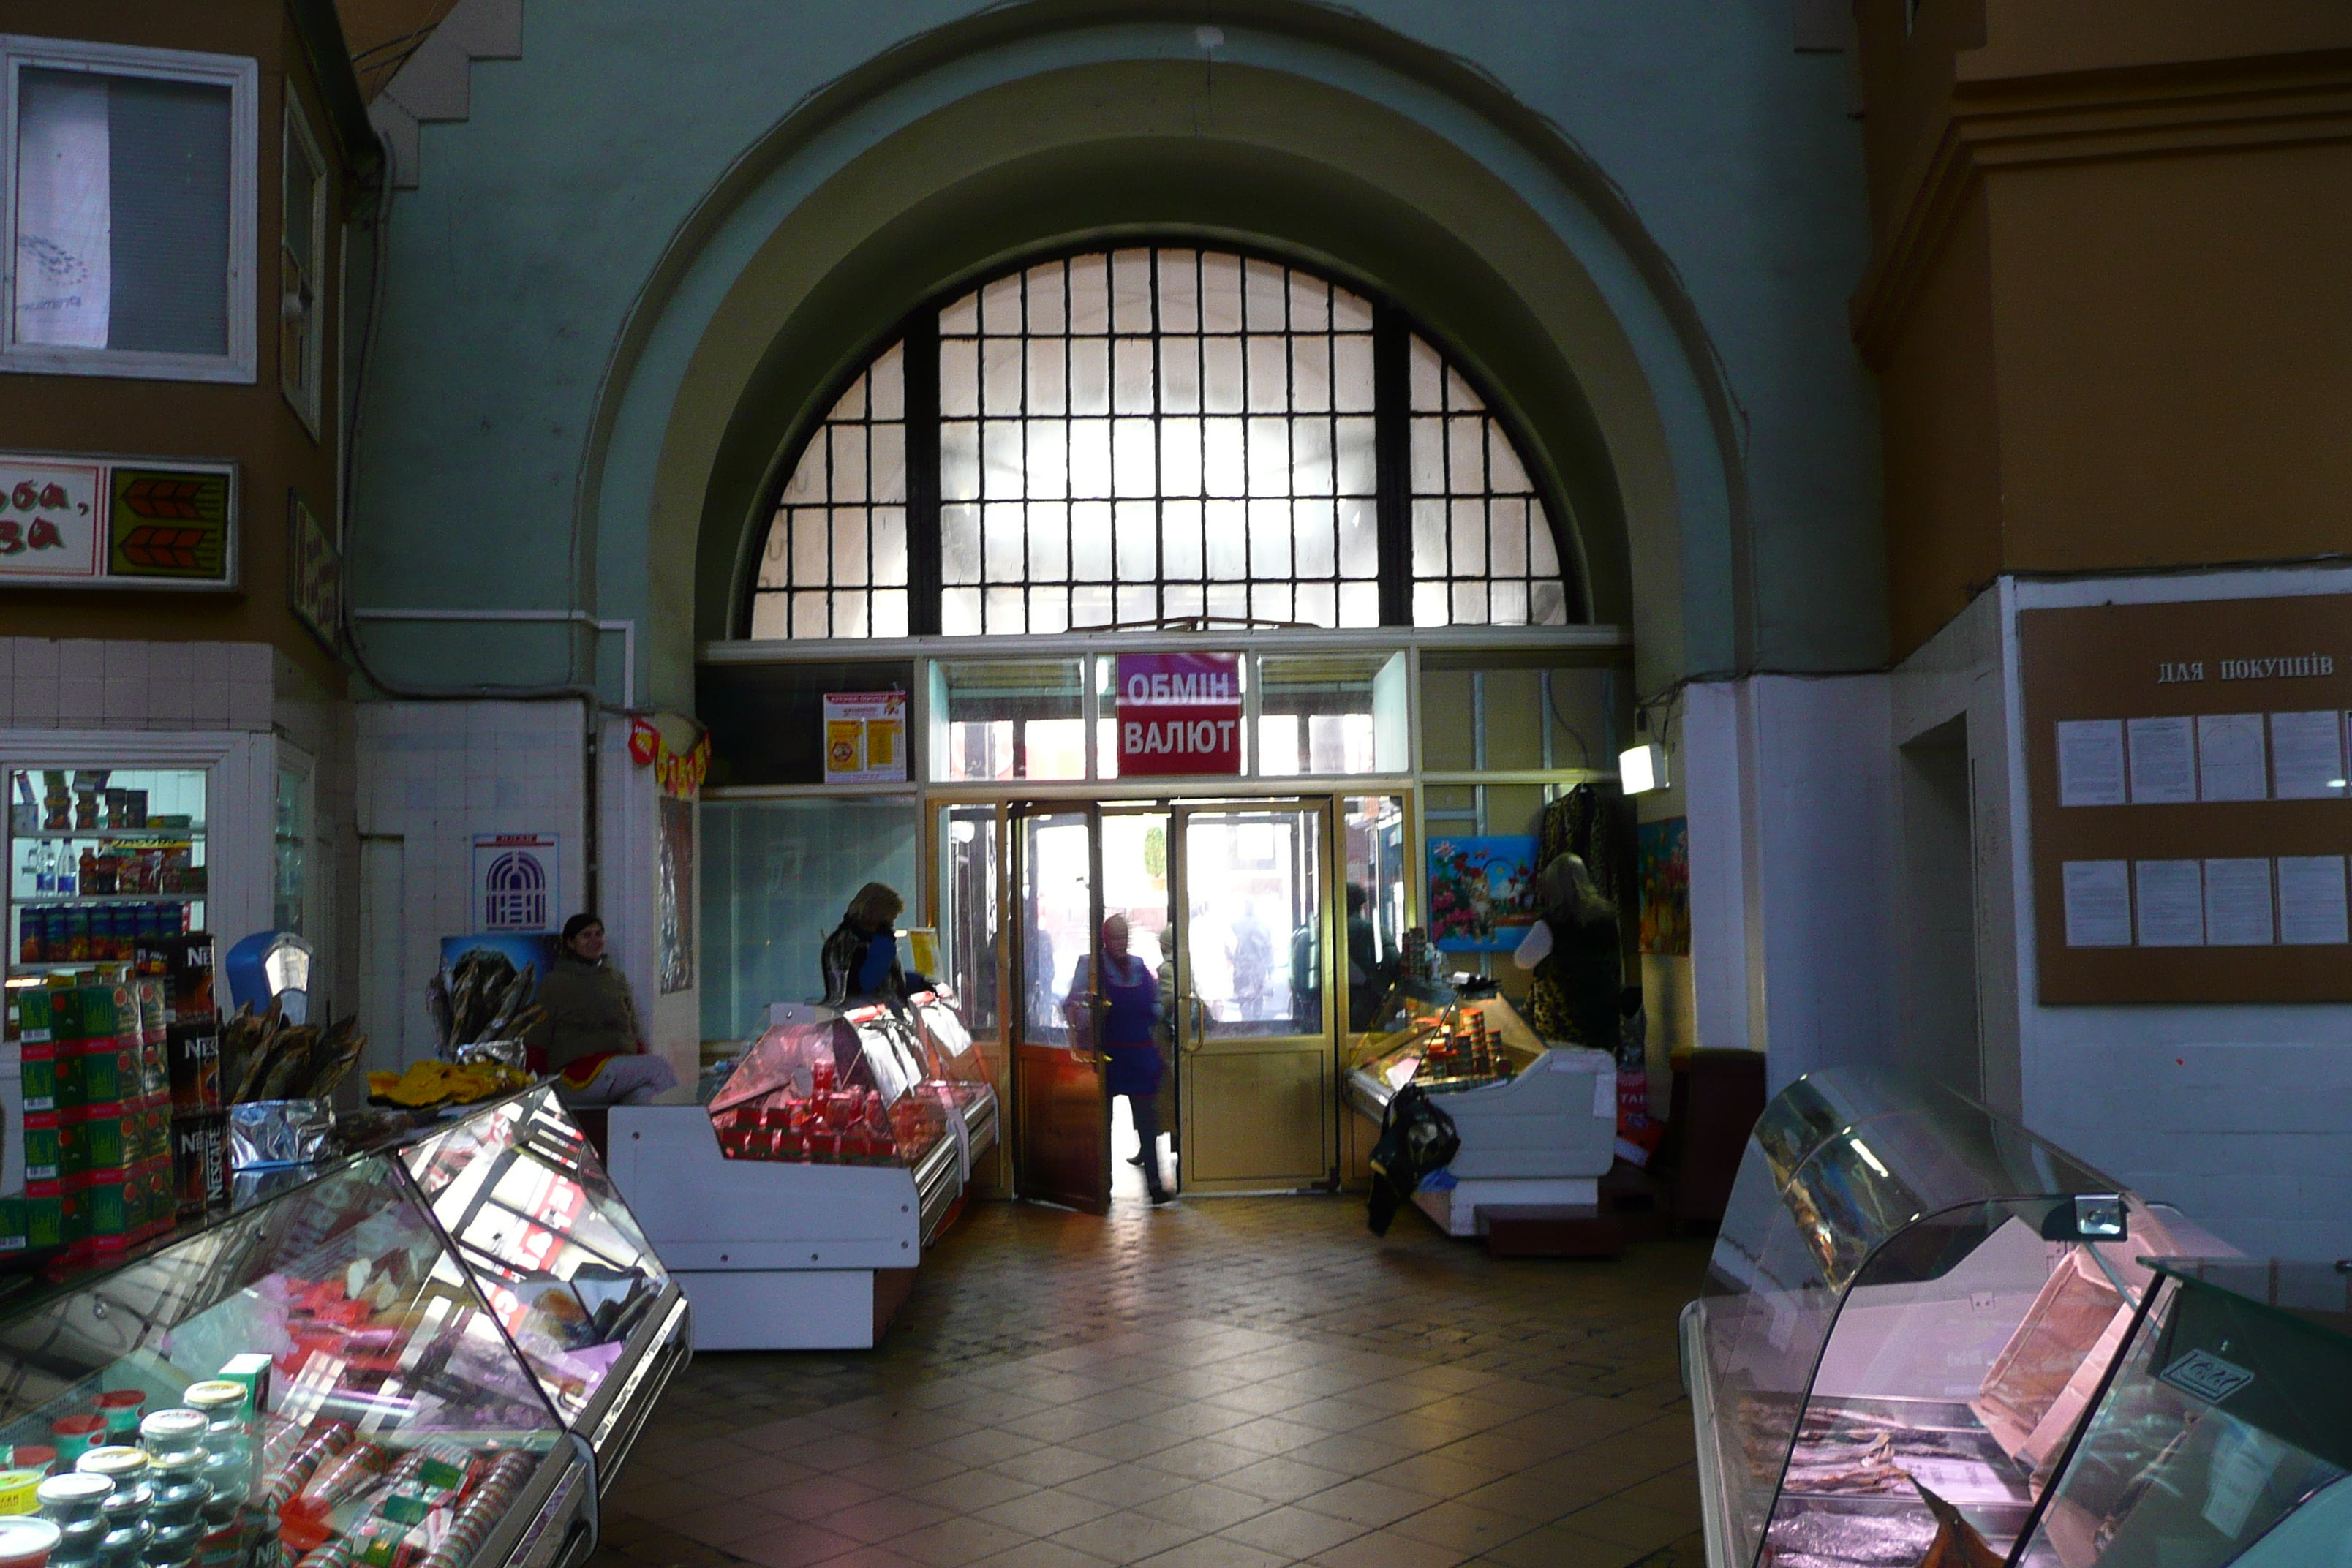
1179,713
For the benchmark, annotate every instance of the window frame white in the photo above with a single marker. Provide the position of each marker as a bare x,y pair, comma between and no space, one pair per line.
310,340
241,74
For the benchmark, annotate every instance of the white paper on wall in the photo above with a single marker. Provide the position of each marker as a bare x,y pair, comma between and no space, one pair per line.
64,209
2311,900
2163,762
2230,764
2098,903
2307,755
2091,762
2169,896
2237,902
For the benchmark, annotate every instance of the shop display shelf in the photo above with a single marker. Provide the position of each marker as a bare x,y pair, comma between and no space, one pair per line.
86,899
110,835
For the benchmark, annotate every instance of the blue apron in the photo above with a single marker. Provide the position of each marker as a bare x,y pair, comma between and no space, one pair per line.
1131,1062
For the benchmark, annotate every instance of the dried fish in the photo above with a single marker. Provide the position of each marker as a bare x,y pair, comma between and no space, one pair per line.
333,1058
289,1064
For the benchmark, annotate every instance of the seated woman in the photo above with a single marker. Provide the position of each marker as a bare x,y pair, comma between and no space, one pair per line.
590,1036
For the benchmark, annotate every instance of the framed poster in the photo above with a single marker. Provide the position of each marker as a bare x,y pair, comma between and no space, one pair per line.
1663,852
1481,892
517,886
72,521
2191,826
865,737
314,573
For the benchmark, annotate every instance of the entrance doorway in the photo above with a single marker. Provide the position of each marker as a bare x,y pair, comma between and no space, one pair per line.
1227,904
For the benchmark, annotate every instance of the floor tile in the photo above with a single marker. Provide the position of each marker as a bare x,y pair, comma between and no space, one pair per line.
1294,1532
1384,1550
1215,1552
956,1542
1367,1503
1045,1512
1472,1530
1124,1485
1126,1536
1205,1506
1042,1554
1282,1480
1052,1465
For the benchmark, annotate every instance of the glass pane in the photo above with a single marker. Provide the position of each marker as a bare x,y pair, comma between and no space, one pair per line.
776,876
970,916
109,856
522,1193
122,199
1373,828
346,1285
1009,719
1249,877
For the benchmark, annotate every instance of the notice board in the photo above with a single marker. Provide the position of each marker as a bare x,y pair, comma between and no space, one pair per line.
2190,819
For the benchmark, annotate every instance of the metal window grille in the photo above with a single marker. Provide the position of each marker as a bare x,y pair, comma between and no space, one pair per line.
1482,552
1150,435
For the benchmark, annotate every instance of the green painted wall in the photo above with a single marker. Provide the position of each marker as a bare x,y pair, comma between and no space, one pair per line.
1644,221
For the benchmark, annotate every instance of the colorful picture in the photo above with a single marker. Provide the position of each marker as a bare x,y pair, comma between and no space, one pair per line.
1664,864
1481,893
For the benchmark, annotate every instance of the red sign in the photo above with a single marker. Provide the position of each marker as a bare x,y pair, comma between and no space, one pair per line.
1179,713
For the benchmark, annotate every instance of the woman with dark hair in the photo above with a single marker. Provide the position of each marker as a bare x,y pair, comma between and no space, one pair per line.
860,959
591,1036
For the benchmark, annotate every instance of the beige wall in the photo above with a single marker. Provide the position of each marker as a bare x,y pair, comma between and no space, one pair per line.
252,425
2106,304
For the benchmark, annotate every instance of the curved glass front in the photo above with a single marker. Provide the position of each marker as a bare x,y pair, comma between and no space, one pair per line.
1876,1278
845,1090
557,1253
2225,1435
381,1408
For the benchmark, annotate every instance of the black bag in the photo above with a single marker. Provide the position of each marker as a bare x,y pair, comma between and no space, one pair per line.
1416,1138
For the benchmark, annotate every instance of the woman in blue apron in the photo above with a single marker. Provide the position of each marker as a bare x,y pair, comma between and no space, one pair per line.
1131,1064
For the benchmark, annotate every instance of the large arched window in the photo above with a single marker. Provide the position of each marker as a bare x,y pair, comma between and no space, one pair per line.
1154,436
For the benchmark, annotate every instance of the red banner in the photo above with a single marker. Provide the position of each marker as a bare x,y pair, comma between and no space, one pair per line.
1179,713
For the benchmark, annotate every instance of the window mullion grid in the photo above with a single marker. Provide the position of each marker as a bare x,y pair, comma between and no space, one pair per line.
1159,475
1392,464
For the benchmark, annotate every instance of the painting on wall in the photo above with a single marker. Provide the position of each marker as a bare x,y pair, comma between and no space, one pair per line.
1665,861
1481,892
676,895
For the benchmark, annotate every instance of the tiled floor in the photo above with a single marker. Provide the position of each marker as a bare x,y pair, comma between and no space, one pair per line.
1227,1384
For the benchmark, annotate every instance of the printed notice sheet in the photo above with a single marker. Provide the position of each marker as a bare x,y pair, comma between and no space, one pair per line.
2098,903
2307,755
2091,762
2230,761
2163,762
2171,902
2238,903
2311,900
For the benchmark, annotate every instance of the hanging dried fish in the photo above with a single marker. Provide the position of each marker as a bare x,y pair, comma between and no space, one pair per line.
289,1064
334,1056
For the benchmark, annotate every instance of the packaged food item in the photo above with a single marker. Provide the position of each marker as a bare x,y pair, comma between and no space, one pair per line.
122,1407
282,1484
76,1436
19,1492
26,1541
35,1456
74,1498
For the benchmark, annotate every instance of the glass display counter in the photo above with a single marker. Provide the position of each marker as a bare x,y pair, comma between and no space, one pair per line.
957,1066
315,1381
1538,1124
2224,1435
796,1204
562,1262
1911,1304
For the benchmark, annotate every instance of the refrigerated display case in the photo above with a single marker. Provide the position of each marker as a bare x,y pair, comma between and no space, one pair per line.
2225,1434
562,1263
315,1380
958,1066
1538,1124
98,858
796,1206
1909,1296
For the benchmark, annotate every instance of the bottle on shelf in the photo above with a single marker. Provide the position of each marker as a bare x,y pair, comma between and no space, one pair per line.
68,880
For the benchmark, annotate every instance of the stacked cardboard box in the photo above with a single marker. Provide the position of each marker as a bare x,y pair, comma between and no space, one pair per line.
98,1157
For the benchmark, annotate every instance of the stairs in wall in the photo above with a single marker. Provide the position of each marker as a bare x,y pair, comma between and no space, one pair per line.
434,84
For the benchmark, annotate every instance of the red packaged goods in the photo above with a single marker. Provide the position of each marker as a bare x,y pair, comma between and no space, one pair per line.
280,1485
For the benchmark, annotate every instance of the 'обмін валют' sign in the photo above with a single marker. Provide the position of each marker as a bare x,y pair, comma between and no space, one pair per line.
1179,713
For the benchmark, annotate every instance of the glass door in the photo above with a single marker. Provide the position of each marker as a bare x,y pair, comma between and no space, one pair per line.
1257,1038
1062,1116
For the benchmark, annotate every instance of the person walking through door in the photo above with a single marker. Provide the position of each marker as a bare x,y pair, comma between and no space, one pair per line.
1129,1013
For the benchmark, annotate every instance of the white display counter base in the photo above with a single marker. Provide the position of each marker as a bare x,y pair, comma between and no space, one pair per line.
1456,1210
773,1256
784,1308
